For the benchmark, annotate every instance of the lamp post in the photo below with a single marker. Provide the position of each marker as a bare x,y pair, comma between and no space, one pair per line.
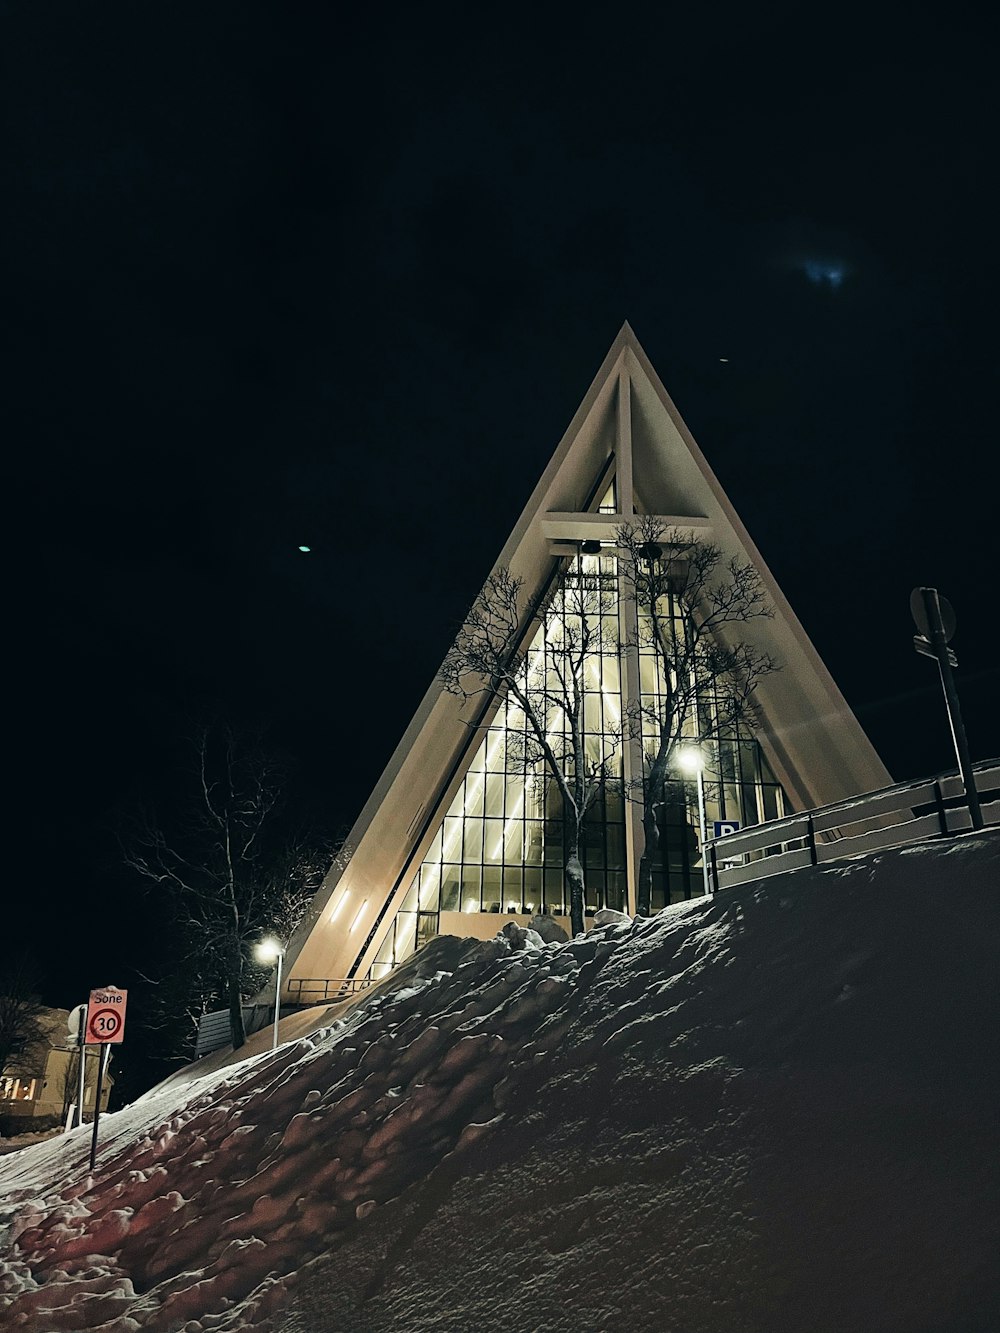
270,951
691,760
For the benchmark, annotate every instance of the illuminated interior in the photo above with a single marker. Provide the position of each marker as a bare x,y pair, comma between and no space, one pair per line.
17,1089
499,848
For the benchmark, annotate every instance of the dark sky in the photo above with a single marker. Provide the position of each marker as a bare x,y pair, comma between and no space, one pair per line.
274,275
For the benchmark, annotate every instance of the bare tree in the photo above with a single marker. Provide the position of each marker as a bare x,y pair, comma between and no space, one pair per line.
690,602
232,868
543,657
22,1026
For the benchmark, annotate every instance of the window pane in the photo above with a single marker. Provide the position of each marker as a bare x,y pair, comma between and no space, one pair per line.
554,891
748,795
512,889
534,798
491,888
514,843
474,785
533,842
616,846
532,888
615,892
494,793
409,903
406,931
452,838
430,887
494,750
493,840
473,850
450,899
471,888
450,880
770,799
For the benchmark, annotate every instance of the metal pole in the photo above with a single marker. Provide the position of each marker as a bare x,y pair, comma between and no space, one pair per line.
704,834
101,1067
277,1001
81,1077
940,644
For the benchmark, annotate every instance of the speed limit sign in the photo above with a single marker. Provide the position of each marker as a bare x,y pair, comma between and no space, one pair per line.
106,1016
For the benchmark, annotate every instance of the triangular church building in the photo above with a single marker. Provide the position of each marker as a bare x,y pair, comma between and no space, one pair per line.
456,839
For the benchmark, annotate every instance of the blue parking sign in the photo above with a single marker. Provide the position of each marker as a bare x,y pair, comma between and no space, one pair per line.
723,827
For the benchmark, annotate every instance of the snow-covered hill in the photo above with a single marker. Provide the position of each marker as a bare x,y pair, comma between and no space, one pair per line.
774,1111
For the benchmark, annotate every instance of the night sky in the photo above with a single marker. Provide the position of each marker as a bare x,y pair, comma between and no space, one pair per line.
276,276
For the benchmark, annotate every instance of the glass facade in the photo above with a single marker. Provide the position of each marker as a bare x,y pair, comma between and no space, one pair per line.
737,779
501,845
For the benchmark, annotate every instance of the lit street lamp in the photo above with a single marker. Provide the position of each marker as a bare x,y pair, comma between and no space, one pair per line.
691,760
270,951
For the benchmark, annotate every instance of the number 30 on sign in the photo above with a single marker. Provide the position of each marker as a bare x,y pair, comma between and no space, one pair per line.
106,1016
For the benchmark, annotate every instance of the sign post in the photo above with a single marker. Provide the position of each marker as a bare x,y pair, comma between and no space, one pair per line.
105,1027
77,1028
934,617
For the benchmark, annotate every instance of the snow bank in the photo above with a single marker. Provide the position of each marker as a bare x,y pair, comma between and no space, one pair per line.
771,1111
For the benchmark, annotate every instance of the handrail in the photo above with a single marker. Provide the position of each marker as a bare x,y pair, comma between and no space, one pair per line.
814,836
810,837
323,990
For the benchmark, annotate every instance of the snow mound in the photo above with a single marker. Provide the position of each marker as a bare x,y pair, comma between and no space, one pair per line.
769,1111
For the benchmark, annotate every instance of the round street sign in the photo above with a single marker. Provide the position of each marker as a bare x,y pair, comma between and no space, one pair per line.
76,1017
918,610
104,1025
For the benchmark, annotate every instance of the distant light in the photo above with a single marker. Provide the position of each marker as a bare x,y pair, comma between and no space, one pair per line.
268,950
691,759
305,549
822,273
724,360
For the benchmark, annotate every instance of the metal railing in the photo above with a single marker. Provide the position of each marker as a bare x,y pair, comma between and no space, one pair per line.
894,816
322,990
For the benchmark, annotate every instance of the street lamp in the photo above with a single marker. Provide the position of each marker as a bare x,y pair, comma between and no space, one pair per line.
270,951
691,760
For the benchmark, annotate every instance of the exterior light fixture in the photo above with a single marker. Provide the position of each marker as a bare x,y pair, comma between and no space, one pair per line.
336,911
591,548
358,917
270,950
691,760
